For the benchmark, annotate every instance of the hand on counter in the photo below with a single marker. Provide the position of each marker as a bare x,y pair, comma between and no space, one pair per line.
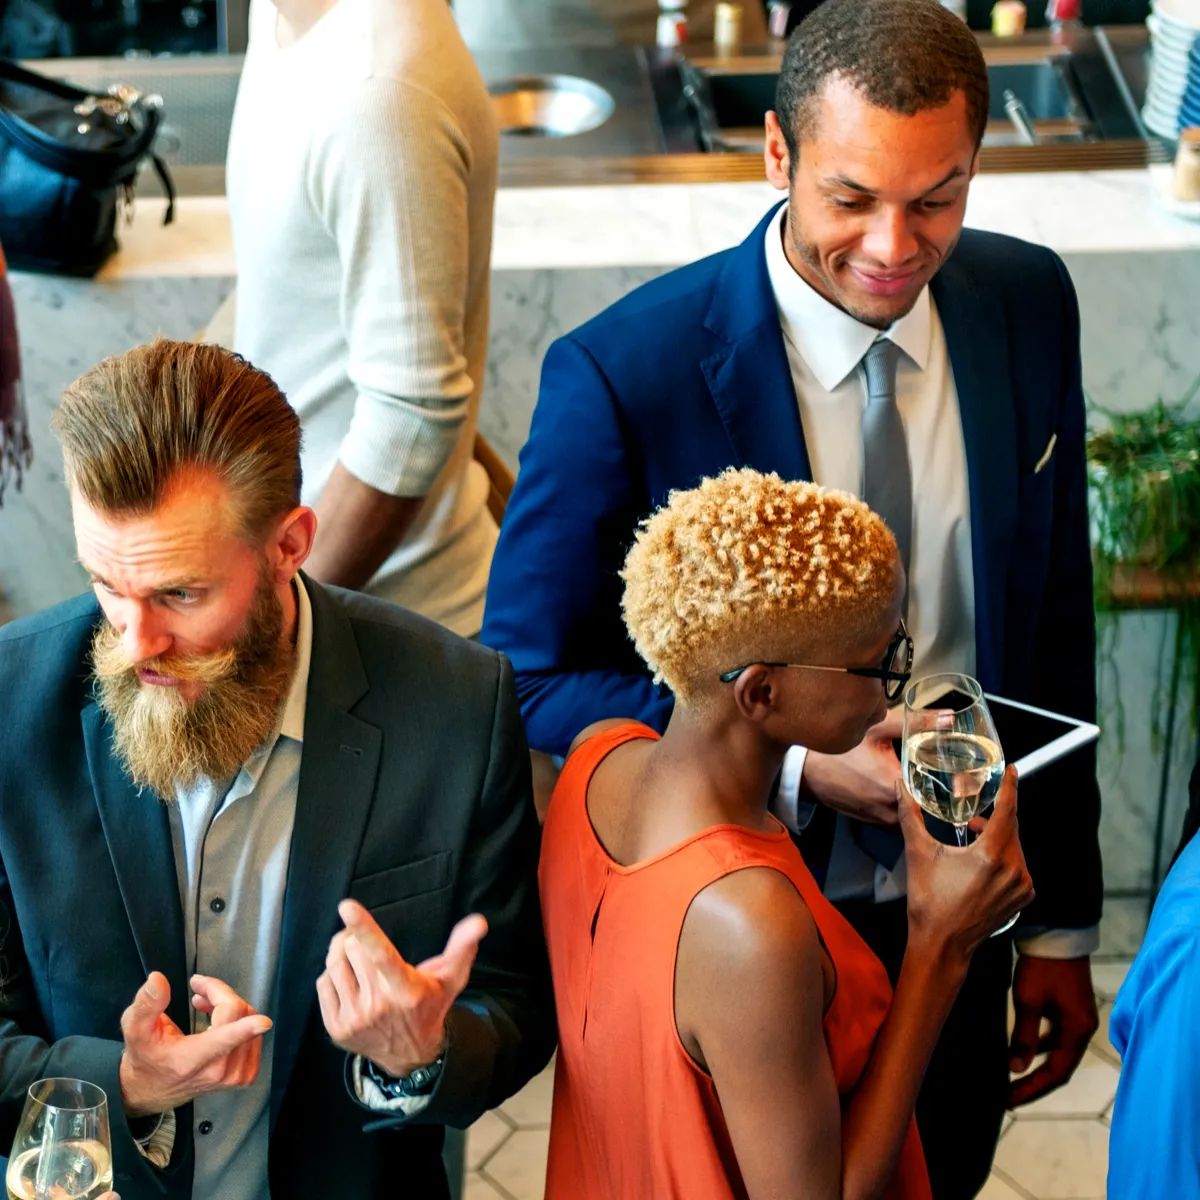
378,1006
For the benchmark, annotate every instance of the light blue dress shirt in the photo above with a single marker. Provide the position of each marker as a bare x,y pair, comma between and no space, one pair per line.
232,845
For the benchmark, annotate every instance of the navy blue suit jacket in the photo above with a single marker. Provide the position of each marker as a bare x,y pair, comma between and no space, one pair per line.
688,375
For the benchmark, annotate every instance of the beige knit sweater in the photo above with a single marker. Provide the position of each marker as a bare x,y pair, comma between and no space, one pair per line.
361,179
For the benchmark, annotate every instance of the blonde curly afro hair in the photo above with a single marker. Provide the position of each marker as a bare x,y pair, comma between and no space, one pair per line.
750,568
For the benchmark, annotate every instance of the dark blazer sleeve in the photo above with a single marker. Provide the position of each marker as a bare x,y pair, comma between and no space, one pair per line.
1061,818
502,1030
554,598
26,1056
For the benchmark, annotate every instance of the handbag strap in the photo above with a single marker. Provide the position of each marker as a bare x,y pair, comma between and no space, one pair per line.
100,167
164,176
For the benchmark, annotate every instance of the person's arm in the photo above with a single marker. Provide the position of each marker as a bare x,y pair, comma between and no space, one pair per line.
26,1057
152,1069
1154,1148
554,598
750,997
358,527
749,1000
391,182
749,1006
1052,979
490,1011
860,783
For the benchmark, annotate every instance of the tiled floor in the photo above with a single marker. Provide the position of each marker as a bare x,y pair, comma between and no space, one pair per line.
1056,1149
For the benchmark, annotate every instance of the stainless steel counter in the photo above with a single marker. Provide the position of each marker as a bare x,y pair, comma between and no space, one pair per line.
652,133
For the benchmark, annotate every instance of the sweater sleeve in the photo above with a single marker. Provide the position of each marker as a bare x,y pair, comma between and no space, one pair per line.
390,179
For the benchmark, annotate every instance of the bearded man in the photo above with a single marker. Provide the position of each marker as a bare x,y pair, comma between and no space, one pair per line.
208,762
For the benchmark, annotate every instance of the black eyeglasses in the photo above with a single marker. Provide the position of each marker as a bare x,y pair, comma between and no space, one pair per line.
895,670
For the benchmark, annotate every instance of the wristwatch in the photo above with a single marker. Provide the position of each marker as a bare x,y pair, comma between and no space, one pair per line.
419,1082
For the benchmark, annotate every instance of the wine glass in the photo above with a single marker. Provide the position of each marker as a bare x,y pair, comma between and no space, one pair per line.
63,1148
951,756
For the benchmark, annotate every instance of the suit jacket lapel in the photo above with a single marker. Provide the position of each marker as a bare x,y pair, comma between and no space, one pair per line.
138,832
749,376
337,784
976,329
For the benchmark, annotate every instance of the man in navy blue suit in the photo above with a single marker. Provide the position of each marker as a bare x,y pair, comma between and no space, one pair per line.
859,337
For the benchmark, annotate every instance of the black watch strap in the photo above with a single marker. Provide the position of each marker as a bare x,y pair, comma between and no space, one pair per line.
418,1082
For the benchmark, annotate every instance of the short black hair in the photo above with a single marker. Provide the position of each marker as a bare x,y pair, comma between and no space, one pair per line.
905,56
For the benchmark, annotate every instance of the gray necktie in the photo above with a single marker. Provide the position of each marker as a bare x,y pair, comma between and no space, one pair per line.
887,478
887,488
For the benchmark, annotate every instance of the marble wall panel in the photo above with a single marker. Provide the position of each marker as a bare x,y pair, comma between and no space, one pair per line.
67,326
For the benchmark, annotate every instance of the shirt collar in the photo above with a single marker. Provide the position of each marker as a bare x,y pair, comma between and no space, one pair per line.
292,724
830,340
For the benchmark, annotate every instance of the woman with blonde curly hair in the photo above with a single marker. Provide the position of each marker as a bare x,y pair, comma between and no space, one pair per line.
723,1031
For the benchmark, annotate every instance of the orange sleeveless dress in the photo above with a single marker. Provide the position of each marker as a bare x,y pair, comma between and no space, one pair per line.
634,1117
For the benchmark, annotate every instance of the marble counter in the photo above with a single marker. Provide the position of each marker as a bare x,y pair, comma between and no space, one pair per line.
560,256
559,228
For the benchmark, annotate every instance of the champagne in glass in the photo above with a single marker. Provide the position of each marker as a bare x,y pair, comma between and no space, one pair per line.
952,760
63,1148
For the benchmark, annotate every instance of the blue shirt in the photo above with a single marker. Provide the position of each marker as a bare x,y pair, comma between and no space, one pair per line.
1155,1026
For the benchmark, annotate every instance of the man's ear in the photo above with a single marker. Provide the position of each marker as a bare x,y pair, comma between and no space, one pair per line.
776,156
292,543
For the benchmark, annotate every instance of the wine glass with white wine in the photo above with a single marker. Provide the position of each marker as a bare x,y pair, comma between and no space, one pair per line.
63,1147
951,755
952,760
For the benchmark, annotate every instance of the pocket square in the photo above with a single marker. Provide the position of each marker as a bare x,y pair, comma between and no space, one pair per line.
1049,450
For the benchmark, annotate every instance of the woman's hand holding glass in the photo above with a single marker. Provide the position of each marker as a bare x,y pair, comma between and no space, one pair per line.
959,896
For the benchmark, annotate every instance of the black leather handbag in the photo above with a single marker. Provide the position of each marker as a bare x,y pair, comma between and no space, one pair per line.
68,163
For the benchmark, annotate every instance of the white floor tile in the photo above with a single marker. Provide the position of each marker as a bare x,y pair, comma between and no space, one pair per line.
530,1107
1056,1160
519,1166
1087,1094
1122,928
484,1138
1100,1043
1107,977
479,1188
997,1189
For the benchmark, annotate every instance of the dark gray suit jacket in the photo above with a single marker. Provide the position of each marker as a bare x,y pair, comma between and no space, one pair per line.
414,798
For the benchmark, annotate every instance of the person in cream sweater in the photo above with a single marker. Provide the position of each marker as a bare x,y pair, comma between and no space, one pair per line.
361,180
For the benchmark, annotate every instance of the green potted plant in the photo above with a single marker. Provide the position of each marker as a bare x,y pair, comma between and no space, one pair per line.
1144,498
1144,477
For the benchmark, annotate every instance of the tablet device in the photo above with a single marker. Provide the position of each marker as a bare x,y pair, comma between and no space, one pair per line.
1031,737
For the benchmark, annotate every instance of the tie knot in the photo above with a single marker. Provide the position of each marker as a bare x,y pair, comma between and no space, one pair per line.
880,365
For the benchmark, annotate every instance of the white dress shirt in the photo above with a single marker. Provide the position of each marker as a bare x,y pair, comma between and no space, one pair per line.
825,347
